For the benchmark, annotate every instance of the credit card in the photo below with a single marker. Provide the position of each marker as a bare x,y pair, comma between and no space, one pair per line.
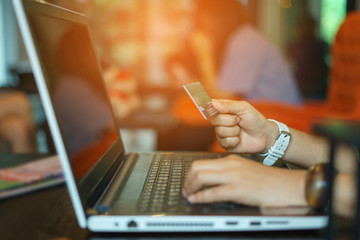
201,99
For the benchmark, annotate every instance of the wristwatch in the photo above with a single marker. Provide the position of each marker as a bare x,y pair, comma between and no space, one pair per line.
278,149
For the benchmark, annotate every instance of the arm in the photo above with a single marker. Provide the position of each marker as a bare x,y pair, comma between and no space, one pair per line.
243,181
16,121
239,180
241,128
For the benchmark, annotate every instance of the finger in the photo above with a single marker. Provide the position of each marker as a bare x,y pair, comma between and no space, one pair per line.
204,164
226,120
200,179
201,165
198,166
231,107
209,164
224,132
220,193
229,142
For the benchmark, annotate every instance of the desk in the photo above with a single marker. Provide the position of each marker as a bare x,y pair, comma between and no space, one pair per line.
48,214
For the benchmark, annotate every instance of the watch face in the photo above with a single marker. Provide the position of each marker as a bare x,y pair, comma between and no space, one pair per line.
201,99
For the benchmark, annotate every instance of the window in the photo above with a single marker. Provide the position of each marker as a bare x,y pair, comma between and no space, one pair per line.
2,46
332,15
8,41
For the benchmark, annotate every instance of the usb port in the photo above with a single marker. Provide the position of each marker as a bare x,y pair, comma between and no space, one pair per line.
232,223
255,223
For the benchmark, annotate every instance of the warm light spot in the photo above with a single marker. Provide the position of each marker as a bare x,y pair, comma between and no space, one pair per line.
159,215
285,3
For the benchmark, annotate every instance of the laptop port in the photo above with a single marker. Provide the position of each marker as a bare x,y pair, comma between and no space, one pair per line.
255,223
232,223
132,224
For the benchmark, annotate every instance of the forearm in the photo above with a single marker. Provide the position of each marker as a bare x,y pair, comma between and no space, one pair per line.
290,190
303,150
241,128
306,150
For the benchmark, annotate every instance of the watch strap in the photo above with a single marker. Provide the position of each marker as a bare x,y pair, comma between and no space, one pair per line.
278,149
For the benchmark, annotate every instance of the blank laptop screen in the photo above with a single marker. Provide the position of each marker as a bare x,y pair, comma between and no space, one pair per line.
76,89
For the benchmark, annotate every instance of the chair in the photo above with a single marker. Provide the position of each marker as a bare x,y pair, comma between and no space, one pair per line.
344,89
17,127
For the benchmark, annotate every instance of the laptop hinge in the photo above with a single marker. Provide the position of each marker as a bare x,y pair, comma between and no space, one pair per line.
104,204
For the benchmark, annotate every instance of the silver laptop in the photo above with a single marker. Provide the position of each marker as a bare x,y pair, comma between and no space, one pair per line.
111,190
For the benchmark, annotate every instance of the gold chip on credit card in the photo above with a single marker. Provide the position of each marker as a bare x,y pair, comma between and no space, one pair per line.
201,99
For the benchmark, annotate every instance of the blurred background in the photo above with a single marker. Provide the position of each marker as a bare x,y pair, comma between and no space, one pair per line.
148,50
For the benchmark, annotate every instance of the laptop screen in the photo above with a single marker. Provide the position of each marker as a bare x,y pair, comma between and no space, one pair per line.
76,89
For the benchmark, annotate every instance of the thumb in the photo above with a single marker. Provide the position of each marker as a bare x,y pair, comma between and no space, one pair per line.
230,107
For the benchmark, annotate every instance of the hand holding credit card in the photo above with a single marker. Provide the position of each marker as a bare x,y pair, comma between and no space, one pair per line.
201,99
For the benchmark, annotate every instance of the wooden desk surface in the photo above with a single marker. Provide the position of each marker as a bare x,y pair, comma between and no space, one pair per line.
48,214
45,214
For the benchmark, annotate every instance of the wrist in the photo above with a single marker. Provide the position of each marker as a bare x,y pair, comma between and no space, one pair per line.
293,186
301,187
272,133
277,150
299,183
288,189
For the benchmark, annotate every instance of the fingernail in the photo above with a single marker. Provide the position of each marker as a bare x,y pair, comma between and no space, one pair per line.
191,198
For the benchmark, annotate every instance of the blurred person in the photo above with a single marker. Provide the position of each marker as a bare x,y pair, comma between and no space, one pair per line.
233,59
17,127
308,55
240,128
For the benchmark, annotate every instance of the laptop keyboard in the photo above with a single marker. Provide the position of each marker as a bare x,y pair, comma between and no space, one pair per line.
162,189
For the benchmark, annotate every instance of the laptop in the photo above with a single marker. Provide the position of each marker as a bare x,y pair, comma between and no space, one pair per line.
112,190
